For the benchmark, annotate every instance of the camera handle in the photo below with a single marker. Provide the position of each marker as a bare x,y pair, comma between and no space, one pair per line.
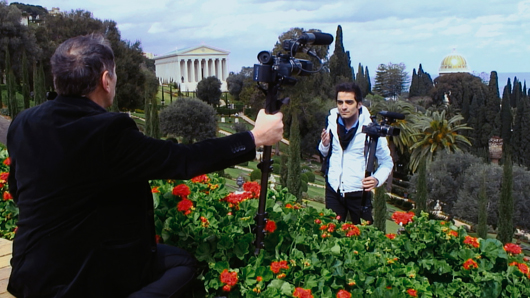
272,106
370,162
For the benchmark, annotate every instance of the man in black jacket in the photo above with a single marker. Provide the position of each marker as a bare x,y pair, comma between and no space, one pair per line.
79,175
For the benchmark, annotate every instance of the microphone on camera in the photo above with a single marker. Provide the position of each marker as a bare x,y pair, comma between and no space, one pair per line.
393,115
316,38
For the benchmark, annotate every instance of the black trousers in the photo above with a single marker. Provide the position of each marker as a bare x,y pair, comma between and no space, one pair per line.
342,204
175,269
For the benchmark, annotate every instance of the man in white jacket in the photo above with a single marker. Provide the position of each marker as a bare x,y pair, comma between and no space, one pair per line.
343,145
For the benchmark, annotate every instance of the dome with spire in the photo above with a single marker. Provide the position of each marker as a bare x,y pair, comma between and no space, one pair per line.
453,63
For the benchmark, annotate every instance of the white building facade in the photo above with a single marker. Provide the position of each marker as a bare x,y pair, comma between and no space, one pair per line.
187,67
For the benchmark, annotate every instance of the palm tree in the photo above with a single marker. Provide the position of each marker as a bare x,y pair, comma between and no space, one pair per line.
404,140
435,133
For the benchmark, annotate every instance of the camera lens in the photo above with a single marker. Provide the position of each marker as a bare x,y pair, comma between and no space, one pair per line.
265,57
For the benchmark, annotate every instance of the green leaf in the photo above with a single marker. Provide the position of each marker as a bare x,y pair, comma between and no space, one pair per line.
336,249
287,289
156,200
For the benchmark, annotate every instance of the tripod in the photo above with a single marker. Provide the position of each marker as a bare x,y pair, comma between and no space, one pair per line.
370,147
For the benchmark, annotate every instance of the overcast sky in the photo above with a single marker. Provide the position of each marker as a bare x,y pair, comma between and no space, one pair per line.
490,34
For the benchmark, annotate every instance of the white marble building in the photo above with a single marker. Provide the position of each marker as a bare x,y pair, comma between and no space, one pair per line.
189,66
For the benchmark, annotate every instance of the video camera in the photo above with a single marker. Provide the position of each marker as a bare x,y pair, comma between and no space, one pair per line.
384,129
282,67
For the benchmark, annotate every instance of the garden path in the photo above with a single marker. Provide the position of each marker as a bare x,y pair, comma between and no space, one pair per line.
4,125
5,267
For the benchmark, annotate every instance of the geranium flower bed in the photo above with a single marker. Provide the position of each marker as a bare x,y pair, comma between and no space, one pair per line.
309,253
8,209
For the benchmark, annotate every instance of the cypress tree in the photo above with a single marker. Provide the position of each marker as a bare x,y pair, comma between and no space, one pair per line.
380,208
293,166
505,218
8,80
518,129
421,192
283,170
482,228
506,117
362,81
25,80
339,63
147,111
493,106
39,88
425,82
368,81
508,88
114,107
524,142
12,104
414,82
154,119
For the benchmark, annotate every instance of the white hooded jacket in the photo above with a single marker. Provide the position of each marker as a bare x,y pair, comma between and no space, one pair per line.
347,167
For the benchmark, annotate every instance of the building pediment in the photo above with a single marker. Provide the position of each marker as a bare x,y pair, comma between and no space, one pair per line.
202,50
194,51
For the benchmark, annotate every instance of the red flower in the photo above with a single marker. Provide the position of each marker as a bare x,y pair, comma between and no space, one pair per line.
302,293
157,238
289,206
7,196
280,276
354,231
4,176
7,161
228,278
155,189
234,199
402,217
412,292
270,226
331,227
452,233
259,278
343,294
278,265
227,288
512,248
181,190
200,179
253,188
469,264
184,206
391,236
471,241
522,267
318,221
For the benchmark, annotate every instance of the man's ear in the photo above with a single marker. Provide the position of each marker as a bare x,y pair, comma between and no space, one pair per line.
105,80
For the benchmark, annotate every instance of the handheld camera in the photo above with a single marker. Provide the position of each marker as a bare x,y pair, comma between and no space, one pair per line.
383,129
282,67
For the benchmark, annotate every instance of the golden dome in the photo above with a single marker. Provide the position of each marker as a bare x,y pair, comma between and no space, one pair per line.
453,63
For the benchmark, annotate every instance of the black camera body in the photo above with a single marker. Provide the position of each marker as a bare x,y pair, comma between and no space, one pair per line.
384,129
282,67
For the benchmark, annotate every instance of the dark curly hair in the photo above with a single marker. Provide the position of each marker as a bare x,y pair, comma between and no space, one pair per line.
349,87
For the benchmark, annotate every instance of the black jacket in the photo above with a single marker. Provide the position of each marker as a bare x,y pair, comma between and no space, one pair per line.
79,175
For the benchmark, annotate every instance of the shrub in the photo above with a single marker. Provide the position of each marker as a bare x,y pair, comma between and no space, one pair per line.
310,250
255,175
191,119
310,177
